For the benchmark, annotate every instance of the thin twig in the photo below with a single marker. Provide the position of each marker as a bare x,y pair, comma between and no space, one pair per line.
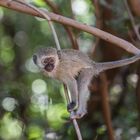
134,26
99,21
66,94
103,80
77,129
72,37
46,17
103,90
67,21
138,92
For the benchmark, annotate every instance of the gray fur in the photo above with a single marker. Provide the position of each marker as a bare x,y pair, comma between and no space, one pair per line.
76,69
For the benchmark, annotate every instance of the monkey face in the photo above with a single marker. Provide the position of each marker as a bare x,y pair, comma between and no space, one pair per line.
46,59
49,64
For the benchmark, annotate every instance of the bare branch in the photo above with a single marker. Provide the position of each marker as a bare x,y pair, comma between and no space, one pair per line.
49,21
67,21
134,26
77,129
99,21
103,90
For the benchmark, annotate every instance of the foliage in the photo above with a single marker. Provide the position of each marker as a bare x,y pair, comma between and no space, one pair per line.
34,107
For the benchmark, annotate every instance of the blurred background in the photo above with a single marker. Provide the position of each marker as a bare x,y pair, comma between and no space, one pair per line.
33,107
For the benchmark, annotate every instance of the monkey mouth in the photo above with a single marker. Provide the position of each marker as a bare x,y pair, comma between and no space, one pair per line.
49,67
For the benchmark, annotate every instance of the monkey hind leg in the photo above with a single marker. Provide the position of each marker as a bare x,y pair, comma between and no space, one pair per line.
83,81
73,105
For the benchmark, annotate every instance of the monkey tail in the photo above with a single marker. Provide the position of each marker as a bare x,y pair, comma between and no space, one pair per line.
110,65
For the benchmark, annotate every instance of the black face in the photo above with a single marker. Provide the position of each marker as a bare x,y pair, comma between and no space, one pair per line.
49,64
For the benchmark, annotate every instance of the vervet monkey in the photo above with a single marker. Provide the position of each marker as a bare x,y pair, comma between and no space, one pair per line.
75,69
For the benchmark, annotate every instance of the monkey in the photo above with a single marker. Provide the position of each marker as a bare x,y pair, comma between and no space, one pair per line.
75,69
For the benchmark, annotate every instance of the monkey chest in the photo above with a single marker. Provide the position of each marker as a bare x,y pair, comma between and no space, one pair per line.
67,71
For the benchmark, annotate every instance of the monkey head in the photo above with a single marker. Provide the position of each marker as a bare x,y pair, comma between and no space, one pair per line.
46,59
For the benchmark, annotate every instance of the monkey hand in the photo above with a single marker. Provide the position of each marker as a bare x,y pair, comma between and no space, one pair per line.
72,106
77,114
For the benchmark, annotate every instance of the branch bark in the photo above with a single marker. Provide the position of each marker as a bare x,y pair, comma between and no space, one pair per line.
138,91
132,20
103,90
99,21
67,21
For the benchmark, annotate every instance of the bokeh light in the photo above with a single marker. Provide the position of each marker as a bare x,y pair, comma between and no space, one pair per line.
137,138
132,79
52,136
10,128
116,89
21,38
9,103
7,53
30,66
1,13
39,86
79,7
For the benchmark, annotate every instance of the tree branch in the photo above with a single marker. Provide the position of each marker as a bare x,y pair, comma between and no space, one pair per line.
99,21
103,90
67,21
76,126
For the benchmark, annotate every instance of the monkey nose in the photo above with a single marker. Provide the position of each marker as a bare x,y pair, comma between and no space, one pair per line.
35,59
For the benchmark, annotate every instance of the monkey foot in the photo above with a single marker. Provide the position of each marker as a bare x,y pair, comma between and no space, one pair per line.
77,115
71,106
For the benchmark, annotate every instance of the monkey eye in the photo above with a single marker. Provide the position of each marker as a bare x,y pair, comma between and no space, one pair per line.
51,60
45,61
48,60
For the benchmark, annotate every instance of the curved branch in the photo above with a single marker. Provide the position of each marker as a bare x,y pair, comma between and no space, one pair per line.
67,21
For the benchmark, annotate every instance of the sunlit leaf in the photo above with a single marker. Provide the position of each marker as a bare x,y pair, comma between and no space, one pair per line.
35,132
39,2
56,114
10,128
